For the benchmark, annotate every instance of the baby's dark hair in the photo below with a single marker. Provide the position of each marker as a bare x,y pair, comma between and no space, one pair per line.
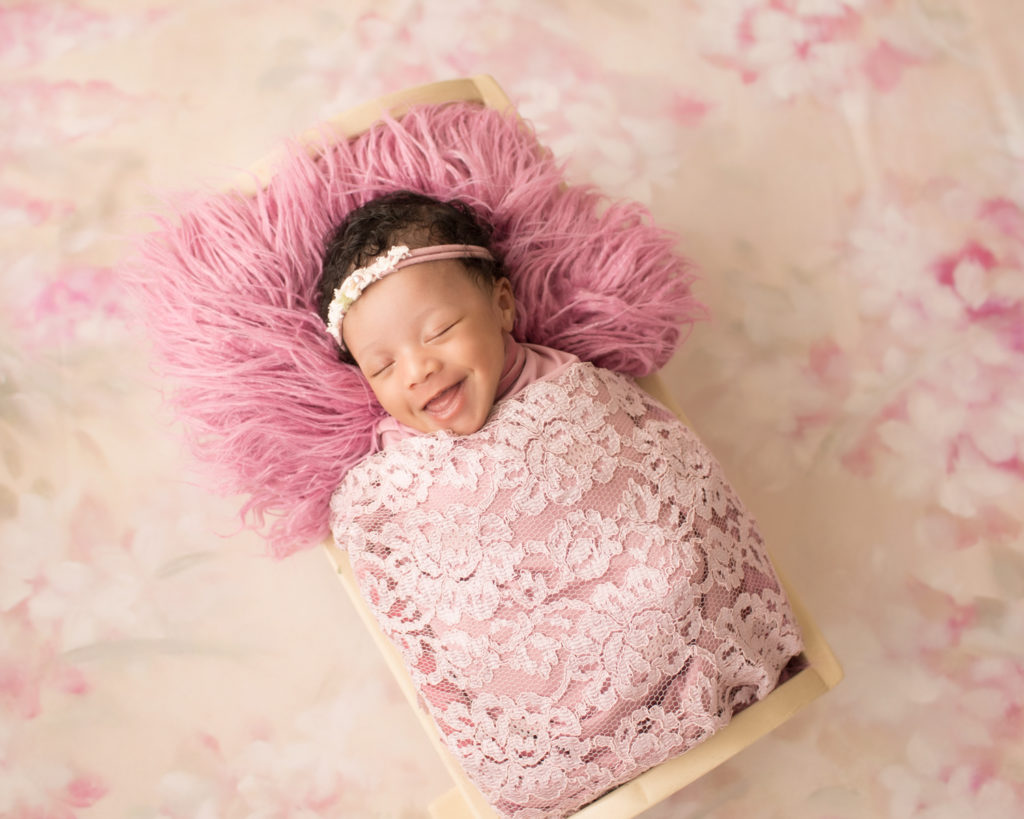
402,218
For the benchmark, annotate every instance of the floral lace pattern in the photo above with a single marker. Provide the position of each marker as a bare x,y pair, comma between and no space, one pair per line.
575,589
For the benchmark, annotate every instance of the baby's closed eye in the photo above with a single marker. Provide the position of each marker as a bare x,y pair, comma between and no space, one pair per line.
444,328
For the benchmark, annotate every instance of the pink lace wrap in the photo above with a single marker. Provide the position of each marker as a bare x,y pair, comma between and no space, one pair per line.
575,589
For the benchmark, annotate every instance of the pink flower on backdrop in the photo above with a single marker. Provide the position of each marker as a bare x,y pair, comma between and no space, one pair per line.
31,786
961,765
619,133
87,581
117,583
390,49
688,109
941,359
40,115
32,670
80,304
310,768
79,605
31,541
84,790
34,789
34,31
969,786
884,65
797,47
19,678
31,664
616,130
940,689
20,210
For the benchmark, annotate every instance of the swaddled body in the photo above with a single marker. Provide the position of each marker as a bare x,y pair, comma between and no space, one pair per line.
575,589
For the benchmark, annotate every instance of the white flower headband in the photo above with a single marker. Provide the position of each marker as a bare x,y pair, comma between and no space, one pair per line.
395,259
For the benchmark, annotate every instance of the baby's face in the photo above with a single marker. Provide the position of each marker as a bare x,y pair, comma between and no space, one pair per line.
430,341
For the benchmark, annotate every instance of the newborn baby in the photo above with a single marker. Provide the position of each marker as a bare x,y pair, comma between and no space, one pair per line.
577,592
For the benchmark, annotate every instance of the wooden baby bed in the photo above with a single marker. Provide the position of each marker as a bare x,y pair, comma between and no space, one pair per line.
820,671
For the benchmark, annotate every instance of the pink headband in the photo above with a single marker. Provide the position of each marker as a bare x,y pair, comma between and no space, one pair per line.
384,265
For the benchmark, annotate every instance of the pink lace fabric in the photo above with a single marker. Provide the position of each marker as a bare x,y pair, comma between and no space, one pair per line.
575,589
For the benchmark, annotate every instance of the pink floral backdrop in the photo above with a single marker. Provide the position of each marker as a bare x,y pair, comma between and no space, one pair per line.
848,176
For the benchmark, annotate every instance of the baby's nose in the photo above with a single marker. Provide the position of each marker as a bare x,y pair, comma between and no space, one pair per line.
420,365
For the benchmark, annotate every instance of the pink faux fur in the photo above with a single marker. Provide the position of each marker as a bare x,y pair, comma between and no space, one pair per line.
228,288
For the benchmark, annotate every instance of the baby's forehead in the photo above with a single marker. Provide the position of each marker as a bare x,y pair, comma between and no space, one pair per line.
413,295
429,281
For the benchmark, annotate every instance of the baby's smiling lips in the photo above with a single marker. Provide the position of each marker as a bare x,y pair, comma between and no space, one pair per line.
445,402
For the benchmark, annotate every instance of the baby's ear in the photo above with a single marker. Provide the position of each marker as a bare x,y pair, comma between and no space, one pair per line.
505,303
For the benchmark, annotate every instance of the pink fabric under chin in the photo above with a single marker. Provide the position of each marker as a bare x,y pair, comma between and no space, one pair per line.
576,590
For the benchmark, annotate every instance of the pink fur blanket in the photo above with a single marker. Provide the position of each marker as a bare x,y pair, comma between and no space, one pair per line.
228,287
576,590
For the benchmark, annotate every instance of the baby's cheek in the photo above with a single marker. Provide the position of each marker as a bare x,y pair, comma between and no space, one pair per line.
385,399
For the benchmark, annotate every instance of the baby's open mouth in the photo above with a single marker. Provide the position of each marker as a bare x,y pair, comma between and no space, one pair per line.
445,401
